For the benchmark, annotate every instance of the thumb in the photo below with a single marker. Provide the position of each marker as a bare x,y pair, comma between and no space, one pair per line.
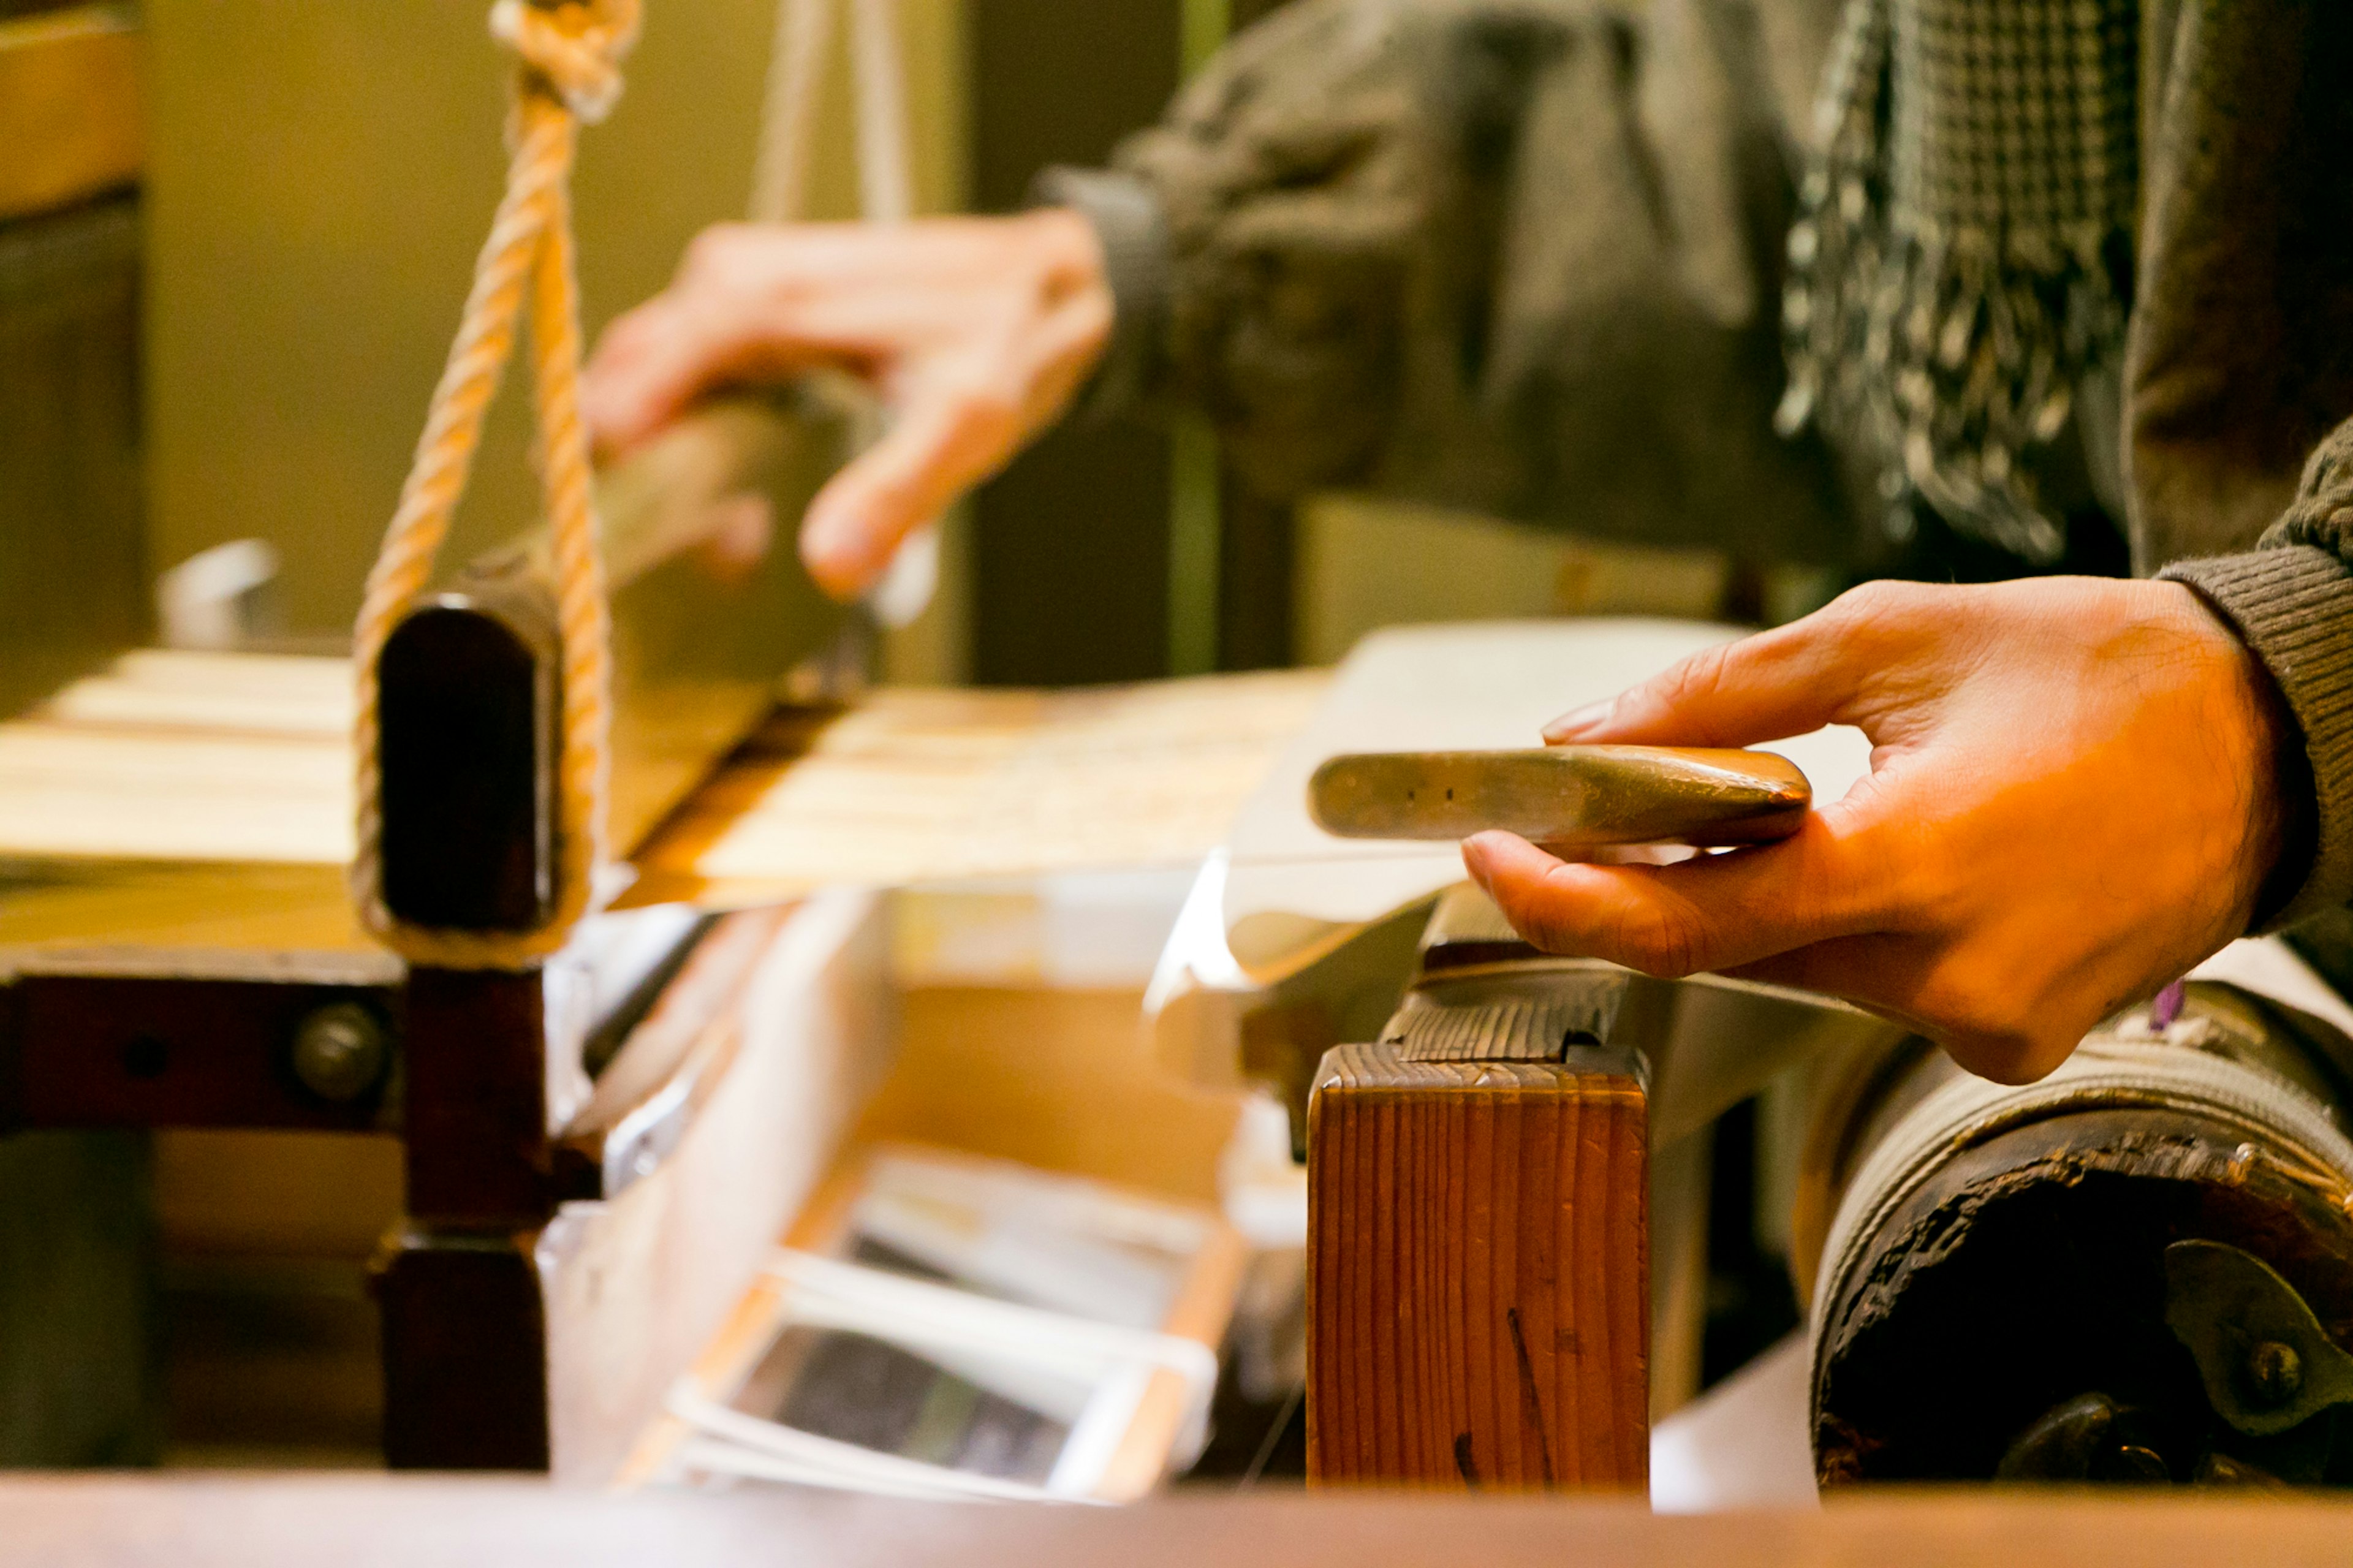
1711,912
1791,681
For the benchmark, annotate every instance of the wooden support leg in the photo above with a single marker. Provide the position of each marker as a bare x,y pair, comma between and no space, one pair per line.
1478,1272
465,1328
465,1351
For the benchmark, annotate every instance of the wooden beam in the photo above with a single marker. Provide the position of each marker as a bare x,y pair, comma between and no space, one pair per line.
183,1519
133,1037
70,112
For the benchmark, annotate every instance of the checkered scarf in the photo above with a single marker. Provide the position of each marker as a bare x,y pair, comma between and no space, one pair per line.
1962,256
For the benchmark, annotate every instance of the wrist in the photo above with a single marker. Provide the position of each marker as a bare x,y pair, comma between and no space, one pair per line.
1117,219
1065,241
2267,757
2292,608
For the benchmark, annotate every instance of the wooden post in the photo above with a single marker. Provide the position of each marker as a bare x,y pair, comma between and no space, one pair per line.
465,1350
1478,1284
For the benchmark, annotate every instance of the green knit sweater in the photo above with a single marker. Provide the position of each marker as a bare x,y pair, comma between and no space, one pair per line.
1525,255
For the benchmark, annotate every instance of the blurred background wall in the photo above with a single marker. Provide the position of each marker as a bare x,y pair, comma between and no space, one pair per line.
263,294
73,553
322,175
321,178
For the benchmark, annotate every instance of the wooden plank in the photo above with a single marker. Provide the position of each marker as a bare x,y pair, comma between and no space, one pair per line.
474,1099
254,909
73,579
71,110
1477,1273
296,1521
232,1046
932,784
238,759
635,1286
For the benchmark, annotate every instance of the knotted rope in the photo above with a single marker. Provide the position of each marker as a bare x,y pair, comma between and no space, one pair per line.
568,71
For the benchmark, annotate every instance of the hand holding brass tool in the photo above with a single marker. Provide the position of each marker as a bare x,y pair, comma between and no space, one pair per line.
1570,799
2078,790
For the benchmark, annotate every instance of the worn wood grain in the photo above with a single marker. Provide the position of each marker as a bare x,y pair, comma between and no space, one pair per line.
1477,1274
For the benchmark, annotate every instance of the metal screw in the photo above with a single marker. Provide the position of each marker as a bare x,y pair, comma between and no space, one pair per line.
339,1052
2274,1374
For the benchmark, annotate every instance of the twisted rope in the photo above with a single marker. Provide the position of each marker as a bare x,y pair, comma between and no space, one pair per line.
568,71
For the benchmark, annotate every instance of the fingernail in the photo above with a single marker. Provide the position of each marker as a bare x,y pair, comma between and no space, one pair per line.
831,549
1479,855
1578,721
1475,860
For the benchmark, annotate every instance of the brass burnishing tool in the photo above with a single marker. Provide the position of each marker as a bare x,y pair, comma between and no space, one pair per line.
1563,797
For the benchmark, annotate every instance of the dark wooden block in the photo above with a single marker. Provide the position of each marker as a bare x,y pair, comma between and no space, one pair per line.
1478,1272
465,1351
467,725
475,1113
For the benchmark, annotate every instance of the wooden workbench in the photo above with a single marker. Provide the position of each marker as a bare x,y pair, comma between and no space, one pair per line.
264,1523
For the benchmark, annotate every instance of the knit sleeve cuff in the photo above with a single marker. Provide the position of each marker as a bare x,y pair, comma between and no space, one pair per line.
2294,606
1133,233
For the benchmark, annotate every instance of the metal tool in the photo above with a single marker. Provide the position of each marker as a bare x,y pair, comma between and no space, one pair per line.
1563,797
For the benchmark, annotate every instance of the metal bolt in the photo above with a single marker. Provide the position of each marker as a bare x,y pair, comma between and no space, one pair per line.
339,1052
2274,1374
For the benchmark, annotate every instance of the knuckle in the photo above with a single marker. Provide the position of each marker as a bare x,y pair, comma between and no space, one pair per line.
715,248
728,258
983,408
2009,1050
1697,678
1865,600
1874,614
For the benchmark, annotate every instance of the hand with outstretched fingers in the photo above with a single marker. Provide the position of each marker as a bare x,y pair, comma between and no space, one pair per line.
2074,796
976,332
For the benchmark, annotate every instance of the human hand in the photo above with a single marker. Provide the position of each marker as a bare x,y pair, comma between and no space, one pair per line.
975,332
2074,797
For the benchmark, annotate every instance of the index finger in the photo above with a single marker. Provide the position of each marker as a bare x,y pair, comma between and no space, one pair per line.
1788,681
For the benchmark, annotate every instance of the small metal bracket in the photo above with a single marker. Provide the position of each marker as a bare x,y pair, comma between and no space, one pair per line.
2266,1363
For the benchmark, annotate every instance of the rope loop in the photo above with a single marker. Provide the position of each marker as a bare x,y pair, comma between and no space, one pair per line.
574,48
569,60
